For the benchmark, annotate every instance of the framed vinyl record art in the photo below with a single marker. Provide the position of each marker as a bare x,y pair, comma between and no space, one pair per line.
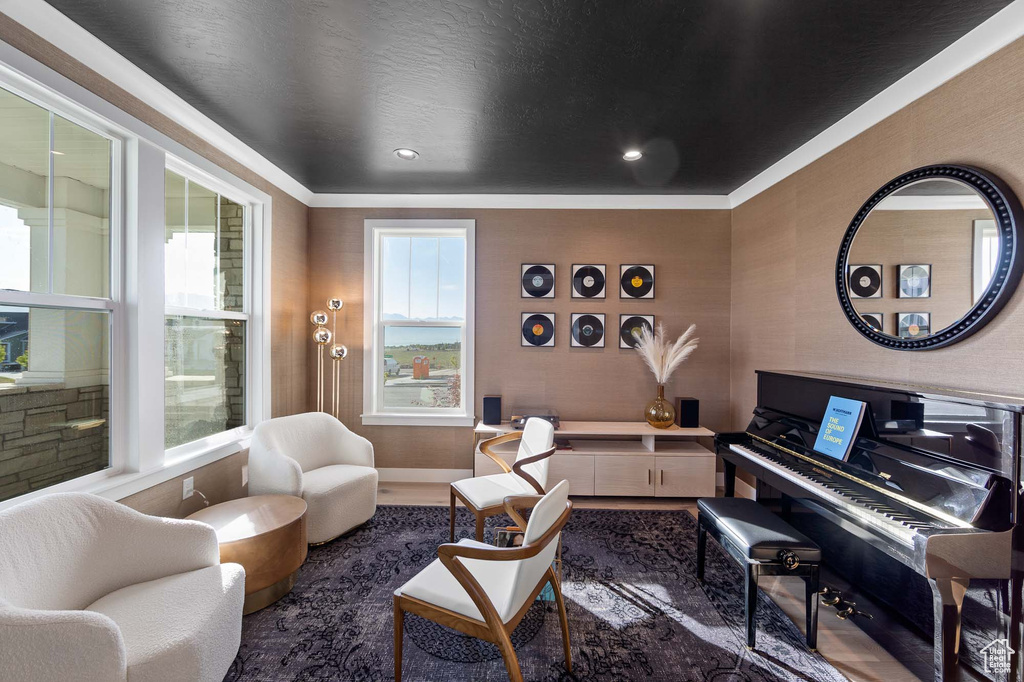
588,281
913,325
915,281
865,281
538,280
874,320
630,327
587,330
538,330
636,281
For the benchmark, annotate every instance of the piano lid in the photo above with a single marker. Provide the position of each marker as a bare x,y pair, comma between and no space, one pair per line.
951,395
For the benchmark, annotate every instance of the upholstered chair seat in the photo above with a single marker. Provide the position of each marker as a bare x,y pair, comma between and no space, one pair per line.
485,591
314,456
93,590
485,495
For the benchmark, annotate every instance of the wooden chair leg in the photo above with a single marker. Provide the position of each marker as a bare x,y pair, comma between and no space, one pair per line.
451,519
480,518
399,628
509,655
563,619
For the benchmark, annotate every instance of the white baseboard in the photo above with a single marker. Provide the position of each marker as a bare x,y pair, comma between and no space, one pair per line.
744,489
423,475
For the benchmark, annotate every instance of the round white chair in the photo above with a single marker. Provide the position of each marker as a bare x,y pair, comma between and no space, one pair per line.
314,456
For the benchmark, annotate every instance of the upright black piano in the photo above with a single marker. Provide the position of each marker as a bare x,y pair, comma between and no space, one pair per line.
923,514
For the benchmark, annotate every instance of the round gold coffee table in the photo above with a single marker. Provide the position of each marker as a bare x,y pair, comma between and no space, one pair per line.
266,534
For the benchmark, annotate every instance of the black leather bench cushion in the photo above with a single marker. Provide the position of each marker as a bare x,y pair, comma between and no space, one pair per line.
755,529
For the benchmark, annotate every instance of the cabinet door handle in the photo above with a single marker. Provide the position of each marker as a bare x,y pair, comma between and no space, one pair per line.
648,477
662,477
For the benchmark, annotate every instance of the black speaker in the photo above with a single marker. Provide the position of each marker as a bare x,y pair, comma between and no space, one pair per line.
687,413
492,410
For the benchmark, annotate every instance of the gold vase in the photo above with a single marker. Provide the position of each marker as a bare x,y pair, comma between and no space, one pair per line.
659,413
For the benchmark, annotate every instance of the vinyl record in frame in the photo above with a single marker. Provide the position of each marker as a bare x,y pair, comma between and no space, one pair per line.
636,281
538,330
865,281
538,280
587,330
630,324
588,281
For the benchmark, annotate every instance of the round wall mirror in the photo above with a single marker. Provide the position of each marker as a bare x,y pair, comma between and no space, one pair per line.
930,258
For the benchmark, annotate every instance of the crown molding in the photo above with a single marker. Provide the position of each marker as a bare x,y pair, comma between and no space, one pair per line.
995,33
66,35
992,35
541,201
956,202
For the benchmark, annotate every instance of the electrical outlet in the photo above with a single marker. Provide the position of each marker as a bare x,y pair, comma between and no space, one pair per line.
187,488
245,475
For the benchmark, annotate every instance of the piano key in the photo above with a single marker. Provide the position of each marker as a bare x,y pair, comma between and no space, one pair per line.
898,531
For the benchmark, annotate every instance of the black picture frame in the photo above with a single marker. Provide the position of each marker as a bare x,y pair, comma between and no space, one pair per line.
877,317
1006,209
573,343
572,280
901,318
622,320
522,332
523,293
876,268
623,294
900,292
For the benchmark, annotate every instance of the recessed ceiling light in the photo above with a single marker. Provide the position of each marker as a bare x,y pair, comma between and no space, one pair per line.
406,154
632,155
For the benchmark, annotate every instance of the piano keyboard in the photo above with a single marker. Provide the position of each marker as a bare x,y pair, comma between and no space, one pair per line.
866,509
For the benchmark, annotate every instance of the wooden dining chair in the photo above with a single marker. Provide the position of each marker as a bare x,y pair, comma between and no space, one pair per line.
484,591
484,495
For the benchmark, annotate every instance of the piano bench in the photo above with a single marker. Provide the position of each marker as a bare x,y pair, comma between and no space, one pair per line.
765,545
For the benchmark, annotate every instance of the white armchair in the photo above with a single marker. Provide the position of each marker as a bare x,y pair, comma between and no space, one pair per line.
93,590
314,456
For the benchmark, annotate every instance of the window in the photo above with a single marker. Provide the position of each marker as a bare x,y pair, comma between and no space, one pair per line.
419,326
986,255
206,320
134,281
58,193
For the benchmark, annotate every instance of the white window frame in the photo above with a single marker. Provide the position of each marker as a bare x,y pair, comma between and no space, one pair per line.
373,327
252,300
137,305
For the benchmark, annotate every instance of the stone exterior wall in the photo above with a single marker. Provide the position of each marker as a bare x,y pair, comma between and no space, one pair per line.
232,254
39,445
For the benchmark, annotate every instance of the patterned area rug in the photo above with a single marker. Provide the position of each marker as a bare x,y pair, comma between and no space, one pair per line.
636,611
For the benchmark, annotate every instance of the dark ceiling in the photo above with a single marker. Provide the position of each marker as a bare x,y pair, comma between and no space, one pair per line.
530,96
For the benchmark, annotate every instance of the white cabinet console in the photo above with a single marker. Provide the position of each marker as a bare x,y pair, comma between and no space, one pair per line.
630,459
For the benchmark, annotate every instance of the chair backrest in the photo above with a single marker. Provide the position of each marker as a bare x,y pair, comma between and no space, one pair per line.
311,439
529,571
66,550
538,436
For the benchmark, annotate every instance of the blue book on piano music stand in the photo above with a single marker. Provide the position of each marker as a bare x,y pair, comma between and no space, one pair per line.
839,427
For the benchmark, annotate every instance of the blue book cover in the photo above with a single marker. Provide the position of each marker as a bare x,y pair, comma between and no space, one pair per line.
839,427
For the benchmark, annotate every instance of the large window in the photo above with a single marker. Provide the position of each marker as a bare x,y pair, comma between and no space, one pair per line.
133,293
57,198
205,325
419,323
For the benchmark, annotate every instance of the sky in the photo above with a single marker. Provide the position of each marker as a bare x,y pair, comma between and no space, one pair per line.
414,287
14,241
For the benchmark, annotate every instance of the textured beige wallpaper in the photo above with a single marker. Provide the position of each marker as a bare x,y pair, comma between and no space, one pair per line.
784,309
690,251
